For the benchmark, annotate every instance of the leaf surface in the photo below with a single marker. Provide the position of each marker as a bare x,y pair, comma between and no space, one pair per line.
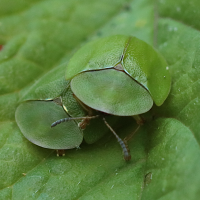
37,39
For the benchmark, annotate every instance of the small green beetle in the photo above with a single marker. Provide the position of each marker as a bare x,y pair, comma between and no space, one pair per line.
119,75
36,117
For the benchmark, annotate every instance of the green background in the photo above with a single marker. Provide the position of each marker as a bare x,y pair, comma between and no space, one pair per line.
37,39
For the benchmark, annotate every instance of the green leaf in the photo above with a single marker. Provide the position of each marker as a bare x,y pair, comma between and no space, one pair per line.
37,38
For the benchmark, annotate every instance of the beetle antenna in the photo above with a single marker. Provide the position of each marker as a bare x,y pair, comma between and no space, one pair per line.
72,118
124,146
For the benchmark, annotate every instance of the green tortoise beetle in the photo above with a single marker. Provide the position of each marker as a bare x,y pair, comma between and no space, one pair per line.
130,55
34,118
118,75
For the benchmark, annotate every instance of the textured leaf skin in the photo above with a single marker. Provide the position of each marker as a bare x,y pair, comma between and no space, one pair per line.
38,38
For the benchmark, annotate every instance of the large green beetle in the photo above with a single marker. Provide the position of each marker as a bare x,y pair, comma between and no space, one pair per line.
119,75
108,66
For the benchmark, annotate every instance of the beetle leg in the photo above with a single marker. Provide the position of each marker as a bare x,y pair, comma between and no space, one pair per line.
84,123
72,118
138,119
127,138
124,146
60,152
